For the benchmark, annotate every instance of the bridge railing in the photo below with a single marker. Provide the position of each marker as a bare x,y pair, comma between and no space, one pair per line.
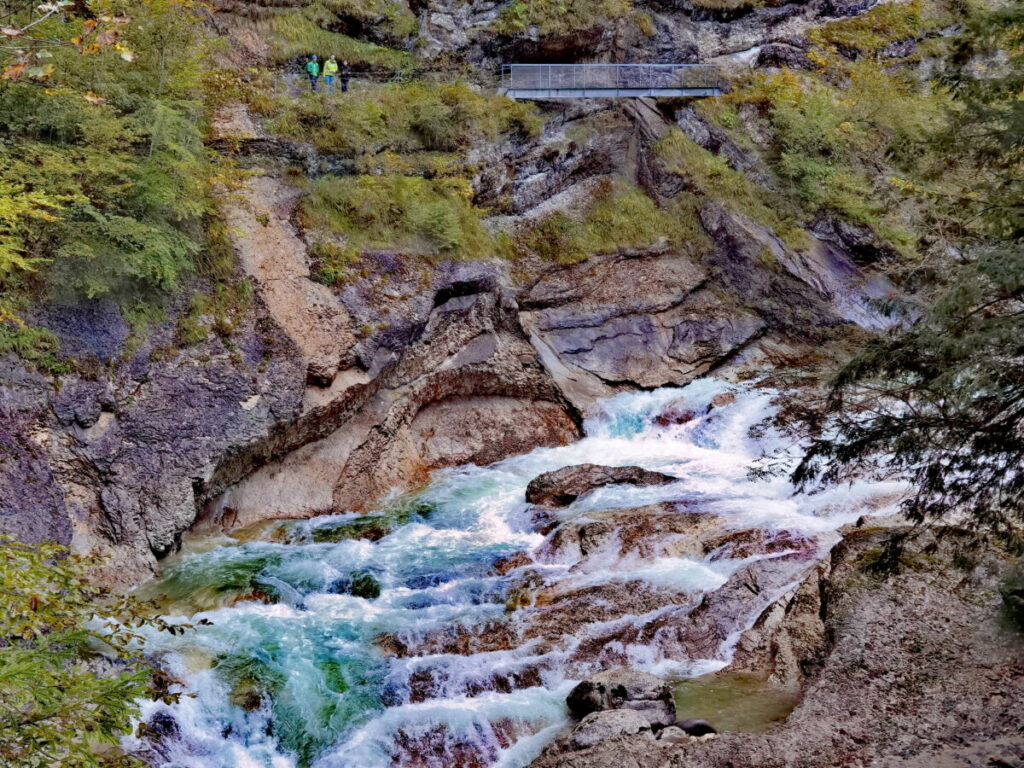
561,77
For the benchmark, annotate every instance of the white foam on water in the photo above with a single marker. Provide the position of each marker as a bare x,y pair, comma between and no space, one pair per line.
341,700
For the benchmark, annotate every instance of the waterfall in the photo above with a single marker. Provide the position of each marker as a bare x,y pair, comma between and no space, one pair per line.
392,640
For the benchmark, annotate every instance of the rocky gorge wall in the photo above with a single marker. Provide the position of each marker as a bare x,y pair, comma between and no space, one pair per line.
320,399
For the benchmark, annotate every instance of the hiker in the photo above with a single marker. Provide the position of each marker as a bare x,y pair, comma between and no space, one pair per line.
346,73
330,70
313,70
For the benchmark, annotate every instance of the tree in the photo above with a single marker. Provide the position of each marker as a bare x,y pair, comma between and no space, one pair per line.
56,632
941,401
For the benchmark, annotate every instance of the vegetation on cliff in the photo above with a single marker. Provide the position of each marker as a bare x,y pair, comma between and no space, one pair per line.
941,400
106,182
70,678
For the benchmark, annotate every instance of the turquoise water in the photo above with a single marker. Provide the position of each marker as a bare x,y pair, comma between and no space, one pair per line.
299,666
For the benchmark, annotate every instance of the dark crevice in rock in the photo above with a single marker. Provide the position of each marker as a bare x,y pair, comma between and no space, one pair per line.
462,288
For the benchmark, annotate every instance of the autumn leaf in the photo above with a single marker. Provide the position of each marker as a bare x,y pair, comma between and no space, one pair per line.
40,73
11,32
106,37
13,71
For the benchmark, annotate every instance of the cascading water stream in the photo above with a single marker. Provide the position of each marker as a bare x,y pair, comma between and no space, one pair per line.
384,641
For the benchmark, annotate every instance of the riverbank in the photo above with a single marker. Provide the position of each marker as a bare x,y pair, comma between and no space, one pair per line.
916,669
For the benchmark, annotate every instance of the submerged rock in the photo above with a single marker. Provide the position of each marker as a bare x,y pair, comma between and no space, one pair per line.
695,726
643,693
601,726
364,585
563,486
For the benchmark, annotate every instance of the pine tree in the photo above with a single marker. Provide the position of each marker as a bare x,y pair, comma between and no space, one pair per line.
941,401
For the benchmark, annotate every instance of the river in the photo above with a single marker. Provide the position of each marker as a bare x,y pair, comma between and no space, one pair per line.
323,632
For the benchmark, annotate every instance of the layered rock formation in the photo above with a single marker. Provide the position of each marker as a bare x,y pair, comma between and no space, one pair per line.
319,399
933,680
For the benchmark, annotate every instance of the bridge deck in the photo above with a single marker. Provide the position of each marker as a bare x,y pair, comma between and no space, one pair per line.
589,81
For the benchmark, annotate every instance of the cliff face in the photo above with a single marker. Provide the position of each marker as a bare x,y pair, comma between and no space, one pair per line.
321,398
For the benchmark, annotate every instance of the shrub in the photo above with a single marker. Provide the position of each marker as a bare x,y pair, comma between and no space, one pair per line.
405,213
870,32
1012,592
54,708
36,346
389,18
332,262
710,174
837,136
616,217
295,34
219,311
552,17
404,118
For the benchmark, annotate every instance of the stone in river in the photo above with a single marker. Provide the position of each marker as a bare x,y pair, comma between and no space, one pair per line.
563,486
601,726
624,688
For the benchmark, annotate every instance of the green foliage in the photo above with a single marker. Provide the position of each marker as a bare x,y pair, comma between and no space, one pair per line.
710,174
387,18
55,709
988,124
404,118
839,135
1012,592
870,32
617,216
218,311
941,401
105,183
298,33
404,213
332,263
554,17
36,346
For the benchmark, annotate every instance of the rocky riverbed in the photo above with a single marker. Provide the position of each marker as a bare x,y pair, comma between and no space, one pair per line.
451,625
423,505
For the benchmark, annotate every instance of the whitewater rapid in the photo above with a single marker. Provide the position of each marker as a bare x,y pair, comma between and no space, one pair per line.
312,677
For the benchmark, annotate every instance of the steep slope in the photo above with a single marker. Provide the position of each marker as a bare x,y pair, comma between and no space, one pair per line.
423,256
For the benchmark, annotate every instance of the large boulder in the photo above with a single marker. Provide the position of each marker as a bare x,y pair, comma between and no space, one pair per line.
601,726
563,486
624,688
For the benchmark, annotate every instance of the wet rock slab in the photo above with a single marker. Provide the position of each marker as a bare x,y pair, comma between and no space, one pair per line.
562,487
648,696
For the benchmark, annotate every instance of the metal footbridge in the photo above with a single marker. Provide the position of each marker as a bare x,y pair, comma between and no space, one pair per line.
614,81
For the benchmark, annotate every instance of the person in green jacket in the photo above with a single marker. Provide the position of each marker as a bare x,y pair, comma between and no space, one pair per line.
313,70
330,72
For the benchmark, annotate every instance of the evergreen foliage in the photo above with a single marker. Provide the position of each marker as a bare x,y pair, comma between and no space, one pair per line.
113,155
57,705
941,400
104,180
